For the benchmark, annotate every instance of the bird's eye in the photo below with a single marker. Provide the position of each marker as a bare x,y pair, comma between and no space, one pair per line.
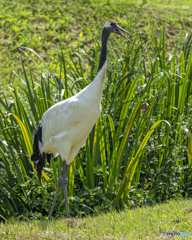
112,24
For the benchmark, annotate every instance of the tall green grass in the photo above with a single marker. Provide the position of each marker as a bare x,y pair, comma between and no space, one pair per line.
138,152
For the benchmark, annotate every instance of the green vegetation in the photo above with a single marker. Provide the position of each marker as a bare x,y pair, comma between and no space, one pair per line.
141,223
43,25
139,152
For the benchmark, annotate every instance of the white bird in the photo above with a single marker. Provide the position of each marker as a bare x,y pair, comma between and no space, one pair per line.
66,125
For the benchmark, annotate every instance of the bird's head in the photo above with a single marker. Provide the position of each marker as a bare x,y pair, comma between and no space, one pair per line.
112,27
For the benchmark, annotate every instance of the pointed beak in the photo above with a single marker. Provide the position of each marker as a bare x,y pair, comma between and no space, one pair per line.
120,30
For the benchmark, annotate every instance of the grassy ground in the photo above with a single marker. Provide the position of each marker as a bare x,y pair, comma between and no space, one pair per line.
141,223
43,26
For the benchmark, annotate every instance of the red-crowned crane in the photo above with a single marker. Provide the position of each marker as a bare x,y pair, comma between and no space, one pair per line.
65,126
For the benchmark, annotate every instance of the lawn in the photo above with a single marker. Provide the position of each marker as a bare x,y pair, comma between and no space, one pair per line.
44,27
174,216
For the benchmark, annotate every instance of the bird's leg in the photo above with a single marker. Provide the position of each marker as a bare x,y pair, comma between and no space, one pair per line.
63,180
59,184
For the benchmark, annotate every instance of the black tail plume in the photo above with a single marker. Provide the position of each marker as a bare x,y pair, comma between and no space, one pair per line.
36,157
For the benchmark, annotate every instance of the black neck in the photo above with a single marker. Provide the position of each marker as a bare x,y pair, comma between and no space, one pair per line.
103,56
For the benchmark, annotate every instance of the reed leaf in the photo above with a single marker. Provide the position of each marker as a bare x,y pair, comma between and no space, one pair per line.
127,179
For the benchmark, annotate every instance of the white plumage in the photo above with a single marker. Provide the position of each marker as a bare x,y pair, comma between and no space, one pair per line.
67,124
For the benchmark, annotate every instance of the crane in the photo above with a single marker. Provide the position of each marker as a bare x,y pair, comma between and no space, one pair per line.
66,125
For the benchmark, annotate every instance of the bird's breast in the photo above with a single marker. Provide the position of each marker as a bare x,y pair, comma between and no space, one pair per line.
67,124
